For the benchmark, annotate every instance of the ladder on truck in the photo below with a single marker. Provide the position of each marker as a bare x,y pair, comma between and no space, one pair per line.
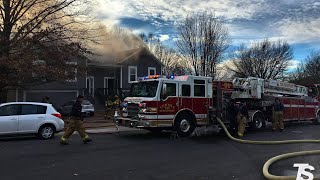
252,87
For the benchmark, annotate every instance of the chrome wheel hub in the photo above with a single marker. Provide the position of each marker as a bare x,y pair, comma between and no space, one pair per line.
184,125
47,132
258,123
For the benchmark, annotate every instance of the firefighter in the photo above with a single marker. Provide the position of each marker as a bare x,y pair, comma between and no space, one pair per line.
243,116
76,123
117,104
277,111
108,108
232,112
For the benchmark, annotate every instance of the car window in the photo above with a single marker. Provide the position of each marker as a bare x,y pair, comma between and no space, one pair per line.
33,109
9,110
86,102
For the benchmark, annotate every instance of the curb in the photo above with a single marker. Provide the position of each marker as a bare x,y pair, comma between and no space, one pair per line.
111,132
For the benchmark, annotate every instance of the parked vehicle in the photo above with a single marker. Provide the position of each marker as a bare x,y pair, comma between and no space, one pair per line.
87,108
30,118
185,102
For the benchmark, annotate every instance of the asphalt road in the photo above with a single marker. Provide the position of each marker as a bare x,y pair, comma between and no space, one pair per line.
139,155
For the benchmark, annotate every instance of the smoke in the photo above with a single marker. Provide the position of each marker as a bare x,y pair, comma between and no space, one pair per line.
114,44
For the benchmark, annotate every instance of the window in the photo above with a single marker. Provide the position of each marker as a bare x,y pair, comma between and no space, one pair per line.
132,73
171,89
33,109
186,90
71,73
152,71
199,88
9,110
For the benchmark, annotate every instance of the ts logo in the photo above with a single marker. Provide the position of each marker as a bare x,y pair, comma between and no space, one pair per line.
302,171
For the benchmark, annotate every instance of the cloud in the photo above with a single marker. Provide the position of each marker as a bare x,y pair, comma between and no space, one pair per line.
293,65
164,37
304,31
247,20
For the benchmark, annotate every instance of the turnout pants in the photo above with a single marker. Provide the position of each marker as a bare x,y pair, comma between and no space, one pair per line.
242,121
75,125
277,120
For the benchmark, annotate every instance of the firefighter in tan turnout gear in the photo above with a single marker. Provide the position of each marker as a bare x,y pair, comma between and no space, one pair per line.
117,105
277,112
75,123
108,108
242,119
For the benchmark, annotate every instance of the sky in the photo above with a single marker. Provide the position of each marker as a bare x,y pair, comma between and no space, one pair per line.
294,21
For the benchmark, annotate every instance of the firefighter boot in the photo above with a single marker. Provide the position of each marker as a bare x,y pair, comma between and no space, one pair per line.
86,139
63,141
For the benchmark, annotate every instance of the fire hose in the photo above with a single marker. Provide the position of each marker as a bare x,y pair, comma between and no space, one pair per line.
265,169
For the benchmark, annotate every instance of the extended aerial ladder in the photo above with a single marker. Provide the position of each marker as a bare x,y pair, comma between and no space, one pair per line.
255,88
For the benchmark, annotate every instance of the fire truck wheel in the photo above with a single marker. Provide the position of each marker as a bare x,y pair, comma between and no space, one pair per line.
258,121
184,125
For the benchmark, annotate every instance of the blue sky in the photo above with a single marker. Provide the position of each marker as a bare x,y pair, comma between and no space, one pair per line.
295,21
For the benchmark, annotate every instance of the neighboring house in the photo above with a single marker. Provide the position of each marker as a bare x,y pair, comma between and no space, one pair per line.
103,78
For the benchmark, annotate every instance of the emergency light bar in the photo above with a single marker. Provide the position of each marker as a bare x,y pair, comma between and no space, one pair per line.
181,78
150,77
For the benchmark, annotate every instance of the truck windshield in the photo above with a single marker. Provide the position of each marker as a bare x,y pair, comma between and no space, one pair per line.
144,89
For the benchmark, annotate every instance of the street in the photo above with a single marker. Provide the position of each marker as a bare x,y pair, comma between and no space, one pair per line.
139,155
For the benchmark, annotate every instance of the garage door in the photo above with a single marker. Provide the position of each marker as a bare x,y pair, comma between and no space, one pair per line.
57,98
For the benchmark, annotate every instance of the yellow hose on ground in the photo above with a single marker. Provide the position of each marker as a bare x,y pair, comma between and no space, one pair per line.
266,166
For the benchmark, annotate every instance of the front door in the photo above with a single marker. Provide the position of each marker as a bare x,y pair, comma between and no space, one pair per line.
168,105
110,85
9,119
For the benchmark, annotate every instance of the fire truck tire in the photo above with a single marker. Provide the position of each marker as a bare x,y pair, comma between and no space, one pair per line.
184,124
258,121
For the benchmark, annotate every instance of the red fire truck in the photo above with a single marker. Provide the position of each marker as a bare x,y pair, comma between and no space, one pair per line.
184,102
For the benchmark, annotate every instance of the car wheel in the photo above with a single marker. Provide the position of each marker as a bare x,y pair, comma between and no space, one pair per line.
184,125
258,121
317,120
91,114
46,132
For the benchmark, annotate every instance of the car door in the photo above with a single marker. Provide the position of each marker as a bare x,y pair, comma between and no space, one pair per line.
31,117
9,119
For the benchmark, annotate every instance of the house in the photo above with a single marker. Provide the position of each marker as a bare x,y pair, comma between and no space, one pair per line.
105,76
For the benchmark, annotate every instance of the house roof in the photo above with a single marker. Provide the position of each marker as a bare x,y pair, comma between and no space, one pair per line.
121,57
129,54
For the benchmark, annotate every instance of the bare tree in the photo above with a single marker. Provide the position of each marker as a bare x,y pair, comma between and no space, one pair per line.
266,59
308,73
40,30
203,39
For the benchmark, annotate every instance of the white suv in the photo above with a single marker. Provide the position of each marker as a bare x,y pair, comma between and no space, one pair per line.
30,118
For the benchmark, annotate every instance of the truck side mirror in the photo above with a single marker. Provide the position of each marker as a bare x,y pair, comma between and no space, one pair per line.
164,91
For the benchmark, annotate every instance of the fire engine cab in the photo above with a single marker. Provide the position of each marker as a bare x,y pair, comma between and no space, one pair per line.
184,102
179,102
